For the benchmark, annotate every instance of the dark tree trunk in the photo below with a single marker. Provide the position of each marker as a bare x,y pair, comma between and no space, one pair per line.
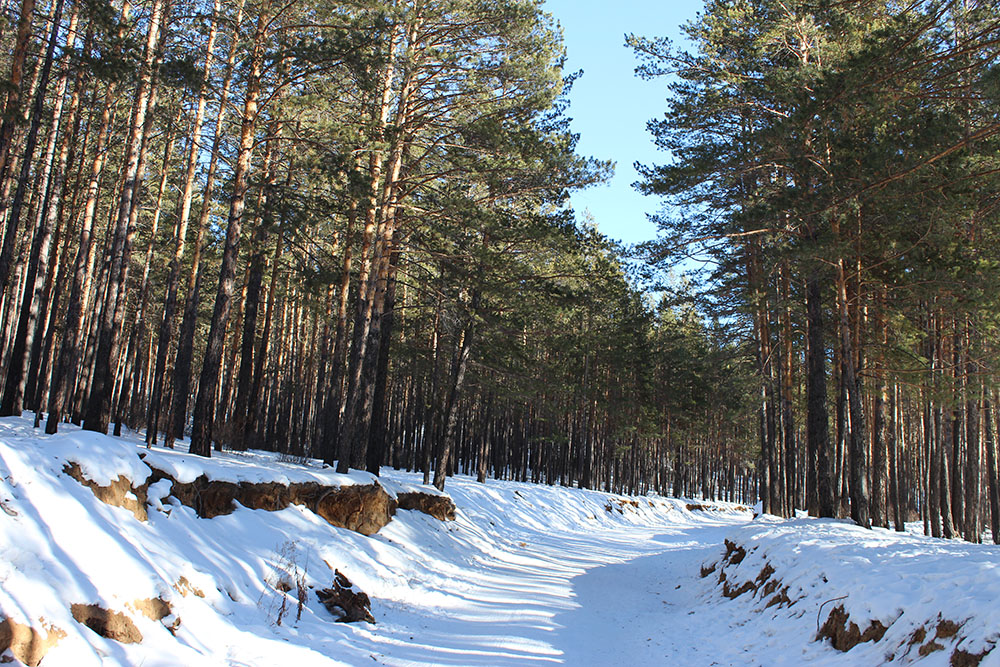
992,477
204,411
817,420
378,431
450,416
187,194
98,411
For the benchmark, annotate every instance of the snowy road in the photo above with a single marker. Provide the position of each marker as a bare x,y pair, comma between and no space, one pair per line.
643,611
614,595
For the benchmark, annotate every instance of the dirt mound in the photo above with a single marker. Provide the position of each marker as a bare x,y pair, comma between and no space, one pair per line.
699,507
361,508
946,634
109,624
439,507
734,554
119,493
185,588
26,643
845,634
620,505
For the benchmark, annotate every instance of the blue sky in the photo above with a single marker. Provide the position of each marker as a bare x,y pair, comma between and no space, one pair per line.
610,105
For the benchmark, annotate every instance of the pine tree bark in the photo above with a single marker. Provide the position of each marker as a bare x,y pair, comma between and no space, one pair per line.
204,411
185,345
184,213
377,440
973,473
37,267
350,417
895,472
449,418
98,412
256,414
11,115
860,511
992,477
133,358
331,418
817,420
55,211
255,281
64,370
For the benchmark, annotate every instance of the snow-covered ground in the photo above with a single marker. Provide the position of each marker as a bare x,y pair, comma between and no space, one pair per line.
525,575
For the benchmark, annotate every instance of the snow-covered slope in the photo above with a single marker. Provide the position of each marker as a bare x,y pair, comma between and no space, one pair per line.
525,575
483,589
911,598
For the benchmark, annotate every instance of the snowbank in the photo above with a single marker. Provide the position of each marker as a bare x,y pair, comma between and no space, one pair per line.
909,597
525,574
217,582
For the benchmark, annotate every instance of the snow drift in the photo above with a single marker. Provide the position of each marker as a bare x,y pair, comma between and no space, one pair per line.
106,558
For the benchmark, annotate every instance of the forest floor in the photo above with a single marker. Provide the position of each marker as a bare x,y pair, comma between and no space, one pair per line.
525,575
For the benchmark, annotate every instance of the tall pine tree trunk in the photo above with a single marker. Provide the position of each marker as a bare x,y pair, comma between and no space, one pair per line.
817,420
11,115
204,411
98,412
64,370
449,418
992,476
184,213
38,261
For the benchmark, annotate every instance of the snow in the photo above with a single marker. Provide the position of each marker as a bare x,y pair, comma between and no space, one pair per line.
526,575
252,466
905,581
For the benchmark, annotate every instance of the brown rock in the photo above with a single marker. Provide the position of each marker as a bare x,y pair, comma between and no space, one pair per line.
947,629
157,609
733,593
120,493
216,499
780,599
928,648
439,507
960,658
270,496
361,508
28,644
110,624
734,553
187,493
305,494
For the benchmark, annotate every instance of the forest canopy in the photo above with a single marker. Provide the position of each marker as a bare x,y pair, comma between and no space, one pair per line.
837,162
341,229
